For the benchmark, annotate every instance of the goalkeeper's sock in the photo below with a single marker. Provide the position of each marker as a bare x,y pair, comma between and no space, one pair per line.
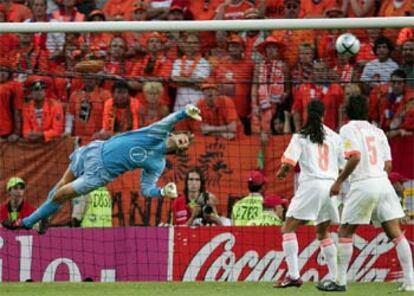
45,210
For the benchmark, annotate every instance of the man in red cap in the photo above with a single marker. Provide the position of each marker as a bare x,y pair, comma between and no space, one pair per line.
251,206
274,212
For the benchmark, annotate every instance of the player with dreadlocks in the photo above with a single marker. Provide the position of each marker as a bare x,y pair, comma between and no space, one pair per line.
318,150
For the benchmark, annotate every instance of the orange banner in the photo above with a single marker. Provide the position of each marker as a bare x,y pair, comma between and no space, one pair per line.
225,163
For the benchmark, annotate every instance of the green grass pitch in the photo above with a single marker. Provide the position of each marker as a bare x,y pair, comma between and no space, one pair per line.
186,289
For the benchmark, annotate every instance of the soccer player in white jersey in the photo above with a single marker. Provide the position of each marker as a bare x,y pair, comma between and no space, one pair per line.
319,152
371,196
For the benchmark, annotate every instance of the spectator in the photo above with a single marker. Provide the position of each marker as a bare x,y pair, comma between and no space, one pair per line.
152,108
176,13
302,72
408,61
355,8
394,8
274,212
27,58
388,99
96,41
116,9
204,9
16,12
235,71
155,65
16,207
49,41
120,112
403,121
251,206
85,112
253,38
232,9
116,62
293,38
93,209
43,117
316,8
188,71
379,70
68,12
137,41
11,104
270,87
405,34
366,53
331,94
188,206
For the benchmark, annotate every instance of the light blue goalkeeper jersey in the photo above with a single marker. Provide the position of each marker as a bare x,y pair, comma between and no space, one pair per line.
142,148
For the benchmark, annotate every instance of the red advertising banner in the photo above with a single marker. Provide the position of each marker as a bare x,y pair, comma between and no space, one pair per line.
255,254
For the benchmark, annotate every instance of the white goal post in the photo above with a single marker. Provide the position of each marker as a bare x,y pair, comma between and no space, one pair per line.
213,25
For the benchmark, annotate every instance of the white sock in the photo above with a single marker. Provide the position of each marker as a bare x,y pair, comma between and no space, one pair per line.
406,259
345,248
329,252
291,248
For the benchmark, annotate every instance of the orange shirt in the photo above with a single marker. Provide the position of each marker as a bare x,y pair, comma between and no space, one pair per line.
159,67
235,12
331,96
87,108
351,12
120,119
223,113
147,116
366,53
326,47
75,17
292,39
203,10
236,77
310,9
117,7
96,41
18,13
388,9
52,120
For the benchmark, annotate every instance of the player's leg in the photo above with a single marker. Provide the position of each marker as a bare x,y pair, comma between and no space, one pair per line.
49,207
291,249
388,213
393,231
345,249
328,248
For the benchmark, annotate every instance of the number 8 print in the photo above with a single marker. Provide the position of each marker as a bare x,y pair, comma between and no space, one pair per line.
372,150
323,160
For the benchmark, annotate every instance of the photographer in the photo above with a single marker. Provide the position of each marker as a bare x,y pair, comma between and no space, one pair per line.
188,206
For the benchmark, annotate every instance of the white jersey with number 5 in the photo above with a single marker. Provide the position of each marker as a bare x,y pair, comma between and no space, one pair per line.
315,161
361,138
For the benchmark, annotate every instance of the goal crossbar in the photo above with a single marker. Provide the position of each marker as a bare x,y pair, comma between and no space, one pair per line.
213,25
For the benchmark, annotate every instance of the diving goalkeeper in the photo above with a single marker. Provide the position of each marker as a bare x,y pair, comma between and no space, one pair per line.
98,163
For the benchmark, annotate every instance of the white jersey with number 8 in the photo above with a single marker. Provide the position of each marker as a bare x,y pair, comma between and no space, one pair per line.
316,161
370,143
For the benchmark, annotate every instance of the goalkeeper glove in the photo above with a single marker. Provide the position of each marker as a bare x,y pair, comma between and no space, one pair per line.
193,112
169,190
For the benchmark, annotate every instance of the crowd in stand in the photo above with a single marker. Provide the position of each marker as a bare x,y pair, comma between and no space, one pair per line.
93,85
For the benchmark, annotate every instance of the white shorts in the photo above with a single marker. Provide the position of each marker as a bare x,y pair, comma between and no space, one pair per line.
371,200
312,202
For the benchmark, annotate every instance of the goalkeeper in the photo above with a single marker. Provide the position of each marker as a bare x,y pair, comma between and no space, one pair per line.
98,163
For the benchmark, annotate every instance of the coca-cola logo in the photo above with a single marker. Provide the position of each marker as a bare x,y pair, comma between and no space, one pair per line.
226,266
